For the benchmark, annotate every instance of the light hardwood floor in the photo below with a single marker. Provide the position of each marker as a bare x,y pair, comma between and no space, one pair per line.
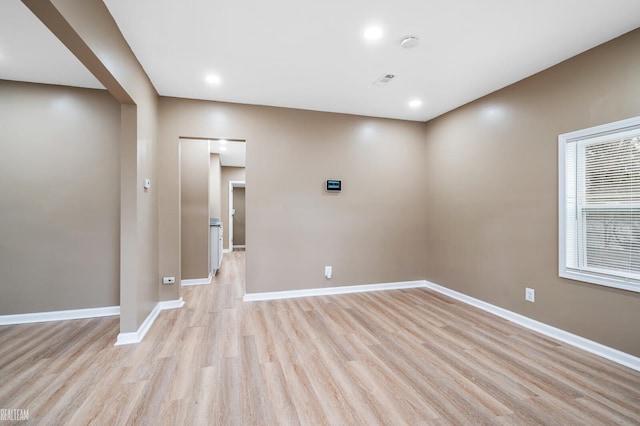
394,357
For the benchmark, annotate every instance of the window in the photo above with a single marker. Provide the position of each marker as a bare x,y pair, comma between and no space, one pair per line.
599,204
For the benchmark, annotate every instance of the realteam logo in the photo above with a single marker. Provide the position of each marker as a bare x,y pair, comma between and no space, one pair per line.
13,415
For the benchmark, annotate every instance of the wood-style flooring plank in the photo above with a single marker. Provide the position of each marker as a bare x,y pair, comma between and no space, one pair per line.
399,357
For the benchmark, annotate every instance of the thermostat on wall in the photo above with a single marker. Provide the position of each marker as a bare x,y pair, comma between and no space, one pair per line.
334,185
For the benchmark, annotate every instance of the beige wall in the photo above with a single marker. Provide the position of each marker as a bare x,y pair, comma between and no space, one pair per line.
238,217
215,182
194,181
60,186
492,218
237,174
373,232
91,34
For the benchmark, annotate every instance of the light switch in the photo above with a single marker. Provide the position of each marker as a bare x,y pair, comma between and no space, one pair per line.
147,183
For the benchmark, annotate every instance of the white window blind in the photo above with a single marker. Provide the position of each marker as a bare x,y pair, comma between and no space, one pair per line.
600,204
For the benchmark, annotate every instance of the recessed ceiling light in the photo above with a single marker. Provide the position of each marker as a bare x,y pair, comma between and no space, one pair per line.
373,33
223,141
416,103
213,79
223,148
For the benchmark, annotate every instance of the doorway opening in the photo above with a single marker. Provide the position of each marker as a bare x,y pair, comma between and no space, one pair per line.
206,167
237,214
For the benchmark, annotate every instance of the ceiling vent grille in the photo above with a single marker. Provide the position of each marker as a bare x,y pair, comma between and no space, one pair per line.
384,79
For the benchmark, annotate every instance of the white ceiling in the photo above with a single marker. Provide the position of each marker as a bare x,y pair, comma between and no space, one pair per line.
30,52
312,55
232,153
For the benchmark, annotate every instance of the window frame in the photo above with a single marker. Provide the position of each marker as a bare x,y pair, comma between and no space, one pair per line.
588,275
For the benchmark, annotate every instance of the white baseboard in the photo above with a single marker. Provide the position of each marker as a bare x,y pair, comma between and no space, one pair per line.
235,246
253,297
59,315
171,304
137,336
599,349
197,281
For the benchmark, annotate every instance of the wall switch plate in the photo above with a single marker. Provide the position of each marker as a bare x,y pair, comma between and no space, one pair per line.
168,280
530,294
327,271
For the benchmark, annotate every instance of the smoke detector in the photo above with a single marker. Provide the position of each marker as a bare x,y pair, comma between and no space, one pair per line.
409,42
383,79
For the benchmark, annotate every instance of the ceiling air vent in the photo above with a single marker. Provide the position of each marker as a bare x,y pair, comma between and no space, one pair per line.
384,79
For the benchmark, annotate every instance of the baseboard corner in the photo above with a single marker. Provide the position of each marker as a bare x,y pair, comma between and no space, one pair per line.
138,335
171,304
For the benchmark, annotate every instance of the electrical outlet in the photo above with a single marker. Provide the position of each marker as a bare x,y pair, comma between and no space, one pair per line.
530,294
328,271
168,280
